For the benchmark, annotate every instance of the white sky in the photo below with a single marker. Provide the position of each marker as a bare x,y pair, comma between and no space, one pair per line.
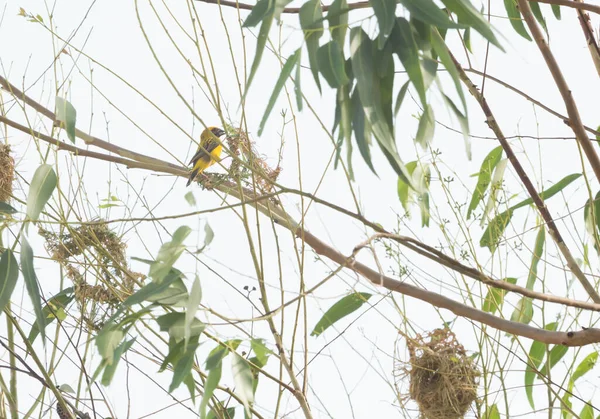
351,376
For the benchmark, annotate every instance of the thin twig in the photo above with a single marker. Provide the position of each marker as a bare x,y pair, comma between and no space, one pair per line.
574,4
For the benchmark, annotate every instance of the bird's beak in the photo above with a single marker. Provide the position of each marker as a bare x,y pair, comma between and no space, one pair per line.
218,132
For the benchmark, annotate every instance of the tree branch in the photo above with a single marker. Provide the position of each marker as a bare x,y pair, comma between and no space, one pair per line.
537,200
574,4
574,117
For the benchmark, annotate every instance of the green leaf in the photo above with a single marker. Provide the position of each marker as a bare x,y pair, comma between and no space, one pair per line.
337,15
491,412
362,130
32,285
183,366
261,351
190,198
495,297
311,22
470,16
212,381
221,412
54,308
485,176
428,12
9,274
40,190
495,229
426,128
406,49
286,71
219,353
537,351
261,41
440,48
585,366
514,16
297,87
192,307
400,97
403,187
551,191
556,11
107,341
261,9
66,114
555,355
363,65
348,304
523,312
587,412
6,209
537,12
537,255
174,323
168,254
150,290
385,12
330,59
175,293
345,114
110,369
242,377
467,40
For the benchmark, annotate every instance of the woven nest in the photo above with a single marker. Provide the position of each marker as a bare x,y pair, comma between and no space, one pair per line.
7,173
443,379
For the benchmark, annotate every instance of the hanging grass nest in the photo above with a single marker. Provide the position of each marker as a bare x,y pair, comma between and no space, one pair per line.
7,173
443,379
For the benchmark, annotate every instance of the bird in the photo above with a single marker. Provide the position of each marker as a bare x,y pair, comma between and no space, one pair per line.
208,152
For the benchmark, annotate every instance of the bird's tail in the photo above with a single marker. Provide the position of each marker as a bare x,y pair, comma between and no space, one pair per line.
192,177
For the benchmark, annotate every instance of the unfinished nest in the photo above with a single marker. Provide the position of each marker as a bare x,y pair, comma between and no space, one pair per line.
93,251
242,150
443,379
7,173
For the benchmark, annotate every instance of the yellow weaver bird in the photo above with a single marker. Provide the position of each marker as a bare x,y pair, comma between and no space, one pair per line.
208,152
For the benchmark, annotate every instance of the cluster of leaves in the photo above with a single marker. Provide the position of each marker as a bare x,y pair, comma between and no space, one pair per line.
364,81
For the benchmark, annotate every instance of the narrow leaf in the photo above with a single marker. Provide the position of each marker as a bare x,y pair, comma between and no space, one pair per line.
492,412
556,11
555,355
523,312
9,274
242,377
330,59
551,191
192,308
428,12
495,297
168,254
515,18
406,49
441,50
212,381
261,41
286,71
361,48
426,128
110,369
495,229
400,97
174,323
463,122
6,209
311,22
337,15
484,178
66,114
537,255
348,304
53,309
183,366
585,366
385,12
537,351
470,16
362,130
32,285
261,9
42,185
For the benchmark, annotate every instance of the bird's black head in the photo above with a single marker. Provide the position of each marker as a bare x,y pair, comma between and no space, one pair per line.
217,131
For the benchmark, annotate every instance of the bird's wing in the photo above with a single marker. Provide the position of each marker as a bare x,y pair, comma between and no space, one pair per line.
204,151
